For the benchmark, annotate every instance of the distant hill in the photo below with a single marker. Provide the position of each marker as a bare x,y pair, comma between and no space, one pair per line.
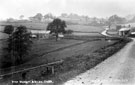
41,22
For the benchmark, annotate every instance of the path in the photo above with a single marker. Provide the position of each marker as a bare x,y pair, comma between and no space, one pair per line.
105,32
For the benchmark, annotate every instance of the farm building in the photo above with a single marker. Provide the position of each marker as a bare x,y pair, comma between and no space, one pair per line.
40,33
35,33
124,31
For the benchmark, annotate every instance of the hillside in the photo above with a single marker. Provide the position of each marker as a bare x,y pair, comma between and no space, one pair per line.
42,25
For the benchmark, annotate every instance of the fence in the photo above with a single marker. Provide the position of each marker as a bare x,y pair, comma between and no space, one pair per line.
49,65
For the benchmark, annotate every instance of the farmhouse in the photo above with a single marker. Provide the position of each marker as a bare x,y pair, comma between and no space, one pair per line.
40,33
125,31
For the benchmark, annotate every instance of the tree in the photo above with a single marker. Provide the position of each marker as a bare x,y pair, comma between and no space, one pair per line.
19,44
10,20
64,15
8,29
118,27
57,26
49,17
38,17
114,19
21,17
69,31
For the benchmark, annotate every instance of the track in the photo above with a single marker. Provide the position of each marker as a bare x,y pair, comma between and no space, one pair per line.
105,33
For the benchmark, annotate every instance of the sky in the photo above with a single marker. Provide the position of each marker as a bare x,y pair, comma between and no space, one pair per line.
91,8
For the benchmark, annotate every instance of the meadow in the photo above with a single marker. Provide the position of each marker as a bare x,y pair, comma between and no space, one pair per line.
48,50
78,56
43,25
85,28
3,36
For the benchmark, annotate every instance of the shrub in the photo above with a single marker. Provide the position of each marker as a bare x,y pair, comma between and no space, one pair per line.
69,31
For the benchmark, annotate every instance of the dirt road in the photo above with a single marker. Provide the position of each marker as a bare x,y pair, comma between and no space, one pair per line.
116,70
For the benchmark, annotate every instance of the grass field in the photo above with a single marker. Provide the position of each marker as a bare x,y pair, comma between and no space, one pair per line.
42,25
69,48
62,49
85,28
43,46
75,55
3,35
31,25
88,34
48,50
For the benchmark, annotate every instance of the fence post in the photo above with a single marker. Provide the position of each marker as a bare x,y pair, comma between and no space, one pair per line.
52,69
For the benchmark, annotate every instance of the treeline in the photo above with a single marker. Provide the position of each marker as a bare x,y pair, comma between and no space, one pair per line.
76,19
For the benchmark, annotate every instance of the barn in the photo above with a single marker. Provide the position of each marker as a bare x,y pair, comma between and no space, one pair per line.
40,34
125,31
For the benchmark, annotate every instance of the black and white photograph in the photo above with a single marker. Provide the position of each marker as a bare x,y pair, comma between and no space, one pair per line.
67,42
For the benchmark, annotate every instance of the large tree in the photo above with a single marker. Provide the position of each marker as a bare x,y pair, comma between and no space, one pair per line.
49,16
19,44
114,19
57,26
38,17
8,29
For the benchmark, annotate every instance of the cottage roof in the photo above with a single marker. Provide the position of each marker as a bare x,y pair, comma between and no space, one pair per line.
124,29
132,33
40,31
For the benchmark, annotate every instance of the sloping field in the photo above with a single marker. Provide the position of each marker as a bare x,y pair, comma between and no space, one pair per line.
31,25
84,48
86,34
3,35
85,28
41,47
131,24
73,49
42,25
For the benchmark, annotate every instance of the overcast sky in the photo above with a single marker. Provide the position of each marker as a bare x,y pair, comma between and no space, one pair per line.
97,8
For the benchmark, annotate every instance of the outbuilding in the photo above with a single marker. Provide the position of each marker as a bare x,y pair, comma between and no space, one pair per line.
40,33
124,31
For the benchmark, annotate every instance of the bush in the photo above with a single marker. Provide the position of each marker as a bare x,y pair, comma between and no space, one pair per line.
8,29
6,62
69,31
